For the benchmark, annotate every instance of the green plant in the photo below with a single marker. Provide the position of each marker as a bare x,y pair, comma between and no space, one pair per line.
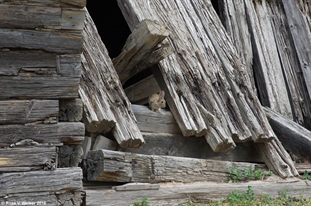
144,202
236,174
306,175
269,173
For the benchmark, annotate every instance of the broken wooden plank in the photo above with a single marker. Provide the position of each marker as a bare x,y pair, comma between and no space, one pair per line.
179,194
106,106
113,166
41,181
67,133
294,137
138,51
196,147
139,92
137,186
70,110
28,158
27,111
155,122
59,41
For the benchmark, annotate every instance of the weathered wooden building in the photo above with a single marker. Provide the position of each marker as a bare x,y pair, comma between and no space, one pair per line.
219,63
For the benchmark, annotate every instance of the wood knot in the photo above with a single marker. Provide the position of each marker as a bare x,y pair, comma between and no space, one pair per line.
152,176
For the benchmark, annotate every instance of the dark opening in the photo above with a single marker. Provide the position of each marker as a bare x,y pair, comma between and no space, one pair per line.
110,24
215,4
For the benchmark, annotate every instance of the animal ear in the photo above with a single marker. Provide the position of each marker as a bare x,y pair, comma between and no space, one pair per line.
162,94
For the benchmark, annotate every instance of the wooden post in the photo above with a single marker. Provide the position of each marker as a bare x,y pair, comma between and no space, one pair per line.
106,106
142,49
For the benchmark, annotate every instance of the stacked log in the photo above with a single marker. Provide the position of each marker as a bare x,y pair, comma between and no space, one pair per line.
40,49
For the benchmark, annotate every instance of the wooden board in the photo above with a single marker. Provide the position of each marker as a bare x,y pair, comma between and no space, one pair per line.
113,166
180,194
26,111
48,40
41,181
155,122
67,133
106,107
138,51
27,158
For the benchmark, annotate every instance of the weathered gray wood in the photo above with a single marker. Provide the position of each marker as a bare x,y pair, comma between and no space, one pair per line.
78,3
113,166
38,87
155,122
73,19
41,181
137,186
71,198
137,52
294,137
139,92
48,40
48,64
106,106
70,155
196,147
27,158
176,194
26,111
204,63
70,110
67,133
102,142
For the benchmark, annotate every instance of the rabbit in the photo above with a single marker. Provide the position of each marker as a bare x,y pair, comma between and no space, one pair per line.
157,101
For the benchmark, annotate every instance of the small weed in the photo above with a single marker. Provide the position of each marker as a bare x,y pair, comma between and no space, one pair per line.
306,175
144,202
269,173
236,175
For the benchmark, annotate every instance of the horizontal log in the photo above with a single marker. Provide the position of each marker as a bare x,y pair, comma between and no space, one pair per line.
48,40
106,107
155,122
194,147
41,16
41,181
16,63
294,137
139,92
77,3
67,133
179,194
38,87
113,166
27,158
27,111
137,52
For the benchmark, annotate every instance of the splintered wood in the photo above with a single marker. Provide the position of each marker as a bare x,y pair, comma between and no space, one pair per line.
206,85
106,107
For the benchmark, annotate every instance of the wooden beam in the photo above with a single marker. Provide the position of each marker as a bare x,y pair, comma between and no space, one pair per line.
141,49
27,111
70,156
294,137
27,158
106,106
155,122
65,132
139,92
59,41
70,110
41,181
113,166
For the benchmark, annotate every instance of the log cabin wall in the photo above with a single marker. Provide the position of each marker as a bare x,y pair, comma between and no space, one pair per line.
40,112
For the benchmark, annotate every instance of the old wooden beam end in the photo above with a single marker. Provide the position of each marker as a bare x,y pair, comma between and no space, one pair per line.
142,49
